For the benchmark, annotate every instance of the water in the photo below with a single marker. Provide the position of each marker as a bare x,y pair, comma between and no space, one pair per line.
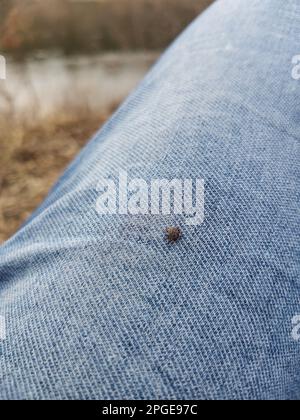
43,84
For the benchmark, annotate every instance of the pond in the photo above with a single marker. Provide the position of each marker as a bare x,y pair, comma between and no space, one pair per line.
44,83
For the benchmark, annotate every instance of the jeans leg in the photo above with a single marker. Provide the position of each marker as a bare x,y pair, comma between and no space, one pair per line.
102,306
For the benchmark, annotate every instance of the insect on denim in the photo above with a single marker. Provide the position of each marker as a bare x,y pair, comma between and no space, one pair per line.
103,306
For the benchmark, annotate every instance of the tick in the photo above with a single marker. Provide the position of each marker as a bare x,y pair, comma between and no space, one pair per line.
173,234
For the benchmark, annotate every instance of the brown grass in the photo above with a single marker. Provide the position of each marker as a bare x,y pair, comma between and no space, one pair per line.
32,156
94,25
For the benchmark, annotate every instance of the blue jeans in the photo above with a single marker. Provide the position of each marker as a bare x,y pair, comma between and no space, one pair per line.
102,306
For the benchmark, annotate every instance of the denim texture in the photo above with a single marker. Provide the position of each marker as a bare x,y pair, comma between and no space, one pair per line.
102,307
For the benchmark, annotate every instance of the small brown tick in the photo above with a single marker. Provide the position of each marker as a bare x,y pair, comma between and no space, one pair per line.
173,234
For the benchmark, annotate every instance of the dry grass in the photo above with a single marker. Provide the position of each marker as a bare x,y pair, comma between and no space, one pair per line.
32,155
94,25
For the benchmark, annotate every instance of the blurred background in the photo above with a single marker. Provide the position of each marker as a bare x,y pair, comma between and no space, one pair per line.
69,63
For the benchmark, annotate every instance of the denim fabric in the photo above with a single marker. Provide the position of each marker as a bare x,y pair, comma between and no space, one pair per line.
102,306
